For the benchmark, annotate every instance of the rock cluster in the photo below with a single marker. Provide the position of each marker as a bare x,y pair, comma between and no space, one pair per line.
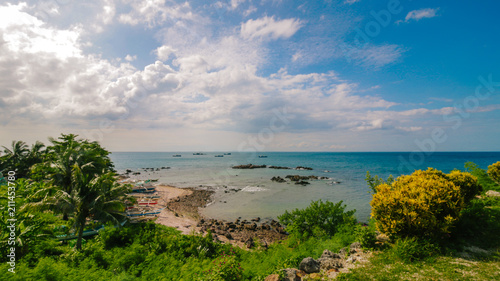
327,267
278,179
189,204
279,168
303,168
249,166
244,232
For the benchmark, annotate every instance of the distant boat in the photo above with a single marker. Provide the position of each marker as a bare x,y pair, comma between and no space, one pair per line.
219,155
176,155
262,156
227,153
198,153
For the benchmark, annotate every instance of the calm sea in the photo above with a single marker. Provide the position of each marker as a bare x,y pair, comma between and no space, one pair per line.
258,196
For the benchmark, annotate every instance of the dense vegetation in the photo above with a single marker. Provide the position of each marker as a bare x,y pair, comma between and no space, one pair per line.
71,180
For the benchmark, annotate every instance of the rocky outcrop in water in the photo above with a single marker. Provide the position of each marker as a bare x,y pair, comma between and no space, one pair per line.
249,166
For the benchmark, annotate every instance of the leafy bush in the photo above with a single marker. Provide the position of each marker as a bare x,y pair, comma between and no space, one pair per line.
319,219
467,183
224,268
411,249
365,235
425,203
494,172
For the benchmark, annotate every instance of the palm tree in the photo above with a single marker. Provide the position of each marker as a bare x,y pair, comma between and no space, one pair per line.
13,158
101,199
68,151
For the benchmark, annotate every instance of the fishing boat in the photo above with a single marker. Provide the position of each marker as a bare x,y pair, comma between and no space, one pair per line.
144,213
219,155
198,153
147,203
143,189
176,155
85,233
262,156
227,153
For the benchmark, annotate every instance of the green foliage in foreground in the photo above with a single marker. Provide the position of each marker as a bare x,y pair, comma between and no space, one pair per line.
155,252
320,219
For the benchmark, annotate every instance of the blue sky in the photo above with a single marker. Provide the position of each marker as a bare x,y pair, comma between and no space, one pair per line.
166,75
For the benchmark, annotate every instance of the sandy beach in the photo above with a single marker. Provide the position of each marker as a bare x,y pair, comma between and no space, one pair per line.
168,217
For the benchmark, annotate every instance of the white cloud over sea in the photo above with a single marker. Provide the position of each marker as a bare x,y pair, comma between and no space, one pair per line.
205,79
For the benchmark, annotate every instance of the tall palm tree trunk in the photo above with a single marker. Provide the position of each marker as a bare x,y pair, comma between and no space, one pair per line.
81,227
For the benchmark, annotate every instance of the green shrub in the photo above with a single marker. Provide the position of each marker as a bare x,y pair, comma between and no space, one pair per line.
467,183
494,172
320,219
365,235
425,203
411,249
224,268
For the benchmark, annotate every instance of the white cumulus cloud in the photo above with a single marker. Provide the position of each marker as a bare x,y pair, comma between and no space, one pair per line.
268,27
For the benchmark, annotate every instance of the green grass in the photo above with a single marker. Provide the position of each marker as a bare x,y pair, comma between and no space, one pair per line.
383,267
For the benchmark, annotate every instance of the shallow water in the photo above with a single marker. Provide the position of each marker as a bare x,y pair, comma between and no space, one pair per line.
260,197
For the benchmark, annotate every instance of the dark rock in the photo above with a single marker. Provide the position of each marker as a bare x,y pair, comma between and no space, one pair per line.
303,168
330,255
228,236
292,274
302,182
279,168
309,265
249,166
249,243
278,179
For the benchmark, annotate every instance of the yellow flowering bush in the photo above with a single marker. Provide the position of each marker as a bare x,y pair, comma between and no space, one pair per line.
423,204
494,172
467,183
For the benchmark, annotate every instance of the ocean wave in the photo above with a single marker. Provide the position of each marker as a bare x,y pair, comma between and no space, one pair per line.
253,189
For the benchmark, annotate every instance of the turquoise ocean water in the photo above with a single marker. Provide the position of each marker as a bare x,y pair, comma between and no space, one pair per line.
258,196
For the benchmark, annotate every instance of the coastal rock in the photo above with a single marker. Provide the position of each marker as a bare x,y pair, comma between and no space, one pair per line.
292,274
273,277
329,255
249,166
279,168
355,246
278,179
249,243
303,168
309,265
302,182
492,193
330,263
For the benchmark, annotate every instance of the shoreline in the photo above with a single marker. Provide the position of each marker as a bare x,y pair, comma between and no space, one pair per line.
182,211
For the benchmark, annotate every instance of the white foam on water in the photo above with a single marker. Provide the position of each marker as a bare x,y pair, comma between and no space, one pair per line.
253,189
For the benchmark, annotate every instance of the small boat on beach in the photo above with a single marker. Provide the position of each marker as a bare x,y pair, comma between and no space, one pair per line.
85,233
144,213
